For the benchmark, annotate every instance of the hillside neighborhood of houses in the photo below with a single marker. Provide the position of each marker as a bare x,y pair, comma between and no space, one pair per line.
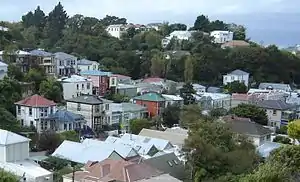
152,155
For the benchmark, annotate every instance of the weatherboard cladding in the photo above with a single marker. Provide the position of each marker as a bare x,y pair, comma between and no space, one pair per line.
155,97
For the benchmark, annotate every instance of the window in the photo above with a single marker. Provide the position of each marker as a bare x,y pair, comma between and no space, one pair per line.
60,64
113,81
170,163
175,162
30,111
31,123
51,110
70,126
22,122
45,111
94,67
97,108
77,87
88,86
88,67
78,107
46,125
106,107
42,125
274,112
65,126
19,109
82,86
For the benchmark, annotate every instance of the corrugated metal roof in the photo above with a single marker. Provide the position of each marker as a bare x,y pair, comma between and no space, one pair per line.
7,138
238,72
42,53
174,138
66,116
155,97
36,101
86,62
64,56
74,79
91,150
95,73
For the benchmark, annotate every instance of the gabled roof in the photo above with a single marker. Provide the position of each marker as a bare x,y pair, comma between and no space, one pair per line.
3,64
155,97
95,73
161,178
275,104
64,56
36,101
7,138
86,62
168,163
42,53
88,151
245,126
174,138
66,116
152,79
74,79
172,97
238,72
87,99
275,86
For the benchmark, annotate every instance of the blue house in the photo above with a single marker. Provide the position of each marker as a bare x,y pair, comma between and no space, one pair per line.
64,120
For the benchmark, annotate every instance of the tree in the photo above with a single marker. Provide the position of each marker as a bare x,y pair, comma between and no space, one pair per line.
282,139
294,130
170,115
7,176
136,125
28,19
177,27
253,112
56,22
202,23
186,92
48,141
113,20
236,87
239,31
51,89
35,75
213,152
69,135
157,65
8,121
10,92
39,18
190,115
189,69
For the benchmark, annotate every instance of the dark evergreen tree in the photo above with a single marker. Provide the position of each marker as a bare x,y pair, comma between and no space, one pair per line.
28,19
39,18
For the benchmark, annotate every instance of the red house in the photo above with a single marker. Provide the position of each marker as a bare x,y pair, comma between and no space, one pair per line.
153,101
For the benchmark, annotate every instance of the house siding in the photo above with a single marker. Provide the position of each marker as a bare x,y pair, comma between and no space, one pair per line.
152,107
76,89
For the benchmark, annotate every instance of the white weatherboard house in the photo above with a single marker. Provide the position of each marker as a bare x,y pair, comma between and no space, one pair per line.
74,86
116,30
14,154
221,37
34,111
84,65
66,64
236,75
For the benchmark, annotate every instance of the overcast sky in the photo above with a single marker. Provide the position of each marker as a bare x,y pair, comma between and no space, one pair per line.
255,14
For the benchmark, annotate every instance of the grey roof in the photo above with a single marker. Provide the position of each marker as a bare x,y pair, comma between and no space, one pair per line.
130,107
64,56
213,90
86,99
275,86
167,163
266,148
174,138
85,62
38,52
161,178
7,138
238,72
66,116
246,126
274,104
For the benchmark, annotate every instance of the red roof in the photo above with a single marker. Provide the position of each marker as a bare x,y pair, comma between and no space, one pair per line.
121,76
36,101
153,79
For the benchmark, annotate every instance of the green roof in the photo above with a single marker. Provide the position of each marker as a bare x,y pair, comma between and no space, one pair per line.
155,97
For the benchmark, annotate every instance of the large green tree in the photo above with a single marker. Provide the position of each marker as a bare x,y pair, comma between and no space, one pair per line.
51,89
55,25
253,112
186,92
236,87
171,115
8,121
136,125
10,92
